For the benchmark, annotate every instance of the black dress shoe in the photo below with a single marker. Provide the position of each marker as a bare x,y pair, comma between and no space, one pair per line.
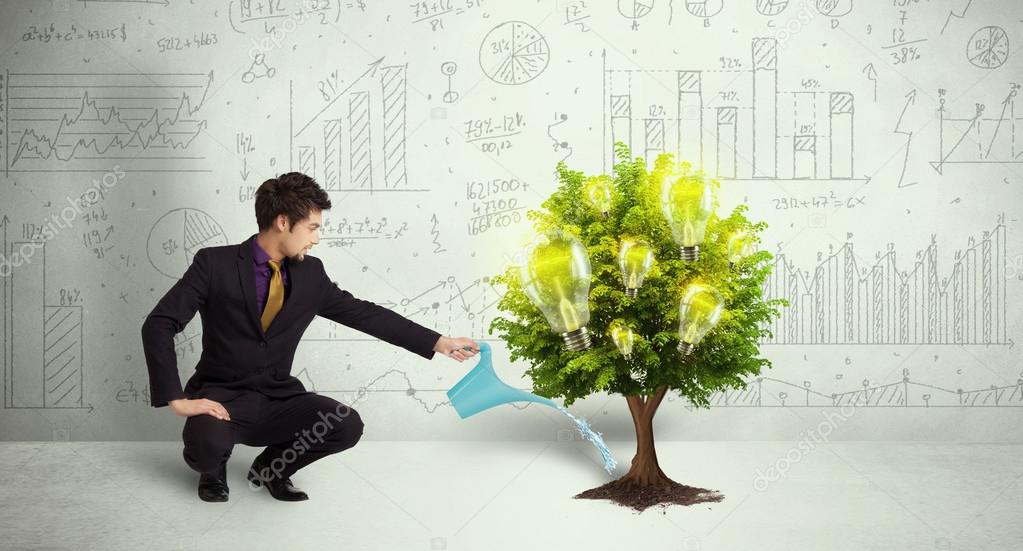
281,489
213,486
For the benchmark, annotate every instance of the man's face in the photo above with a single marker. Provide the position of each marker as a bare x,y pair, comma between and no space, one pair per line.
302,237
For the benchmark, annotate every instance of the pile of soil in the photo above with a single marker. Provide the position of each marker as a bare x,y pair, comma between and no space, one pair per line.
629,494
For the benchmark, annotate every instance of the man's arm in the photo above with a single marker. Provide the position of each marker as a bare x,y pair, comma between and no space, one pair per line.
340,306
170,316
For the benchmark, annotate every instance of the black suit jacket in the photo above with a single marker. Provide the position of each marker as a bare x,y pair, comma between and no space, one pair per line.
236,354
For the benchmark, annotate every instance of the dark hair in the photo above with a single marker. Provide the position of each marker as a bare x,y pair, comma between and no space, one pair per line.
293,194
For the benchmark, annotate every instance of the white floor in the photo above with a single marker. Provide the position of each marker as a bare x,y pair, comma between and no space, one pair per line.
518,495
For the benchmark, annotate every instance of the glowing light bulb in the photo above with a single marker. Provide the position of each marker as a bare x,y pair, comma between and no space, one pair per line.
687,202
739,245
556,277
597,192
623,337
698,312
635,257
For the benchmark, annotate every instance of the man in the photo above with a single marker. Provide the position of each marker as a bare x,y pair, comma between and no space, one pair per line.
255,300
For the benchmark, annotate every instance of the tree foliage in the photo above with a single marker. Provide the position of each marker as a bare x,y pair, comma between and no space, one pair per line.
723,359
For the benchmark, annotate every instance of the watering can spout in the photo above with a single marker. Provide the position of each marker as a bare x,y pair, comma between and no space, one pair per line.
480,389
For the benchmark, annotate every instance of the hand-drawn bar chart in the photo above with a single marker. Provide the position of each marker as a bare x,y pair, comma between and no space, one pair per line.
732,121
85,122
42,342
842,302
357,140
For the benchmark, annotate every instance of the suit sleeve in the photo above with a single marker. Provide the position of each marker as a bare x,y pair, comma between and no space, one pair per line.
341,307
170,316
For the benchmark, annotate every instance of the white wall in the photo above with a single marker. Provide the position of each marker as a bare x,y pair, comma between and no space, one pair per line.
852,129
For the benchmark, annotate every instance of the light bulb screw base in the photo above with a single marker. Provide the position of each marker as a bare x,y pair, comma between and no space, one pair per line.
631,292
685,348
690,254
577,340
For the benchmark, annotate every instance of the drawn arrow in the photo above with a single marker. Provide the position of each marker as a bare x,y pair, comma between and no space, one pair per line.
369,72
910,100
1006,103
872,76
952,13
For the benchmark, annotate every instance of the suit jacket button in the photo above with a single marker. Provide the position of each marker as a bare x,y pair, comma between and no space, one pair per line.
262,344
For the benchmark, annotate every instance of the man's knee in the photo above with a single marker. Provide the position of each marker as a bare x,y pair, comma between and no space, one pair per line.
347,431
207,443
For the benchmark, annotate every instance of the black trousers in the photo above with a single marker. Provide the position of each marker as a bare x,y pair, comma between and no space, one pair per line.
296,431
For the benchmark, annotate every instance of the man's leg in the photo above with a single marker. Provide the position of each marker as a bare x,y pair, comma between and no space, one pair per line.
300,430
208,443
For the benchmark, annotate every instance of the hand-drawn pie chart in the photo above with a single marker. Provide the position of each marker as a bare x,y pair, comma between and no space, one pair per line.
988,48
176,237
514,53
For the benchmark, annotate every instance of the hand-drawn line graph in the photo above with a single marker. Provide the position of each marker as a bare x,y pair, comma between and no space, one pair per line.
514,53
841,302
361,127
761,392
445,303
988,48
65,122
905,392
994,137
45,339
680,111
375,386
176,236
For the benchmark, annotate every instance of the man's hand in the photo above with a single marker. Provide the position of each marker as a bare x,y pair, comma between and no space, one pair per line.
454,347
200,406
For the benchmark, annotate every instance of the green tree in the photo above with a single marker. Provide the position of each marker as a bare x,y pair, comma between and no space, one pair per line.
723,359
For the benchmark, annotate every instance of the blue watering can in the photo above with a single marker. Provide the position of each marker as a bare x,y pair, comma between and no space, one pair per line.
480,389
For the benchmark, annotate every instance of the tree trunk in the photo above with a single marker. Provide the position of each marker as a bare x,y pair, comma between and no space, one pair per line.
646,485
645,470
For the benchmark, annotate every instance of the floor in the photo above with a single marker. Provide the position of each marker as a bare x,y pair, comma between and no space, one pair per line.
518,495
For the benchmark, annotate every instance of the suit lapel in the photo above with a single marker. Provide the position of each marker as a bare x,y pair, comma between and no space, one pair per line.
247,279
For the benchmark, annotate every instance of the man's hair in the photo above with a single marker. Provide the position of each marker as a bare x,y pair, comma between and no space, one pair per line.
293,194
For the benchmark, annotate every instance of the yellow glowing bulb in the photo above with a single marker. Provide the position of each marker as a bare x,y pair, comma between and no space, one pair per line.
739,246
623,337
698,312
555,275
635,258
687,202
597,192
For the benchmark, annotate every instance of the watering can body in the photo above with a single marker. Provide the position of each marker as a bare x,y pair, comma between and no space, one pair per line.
481,389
